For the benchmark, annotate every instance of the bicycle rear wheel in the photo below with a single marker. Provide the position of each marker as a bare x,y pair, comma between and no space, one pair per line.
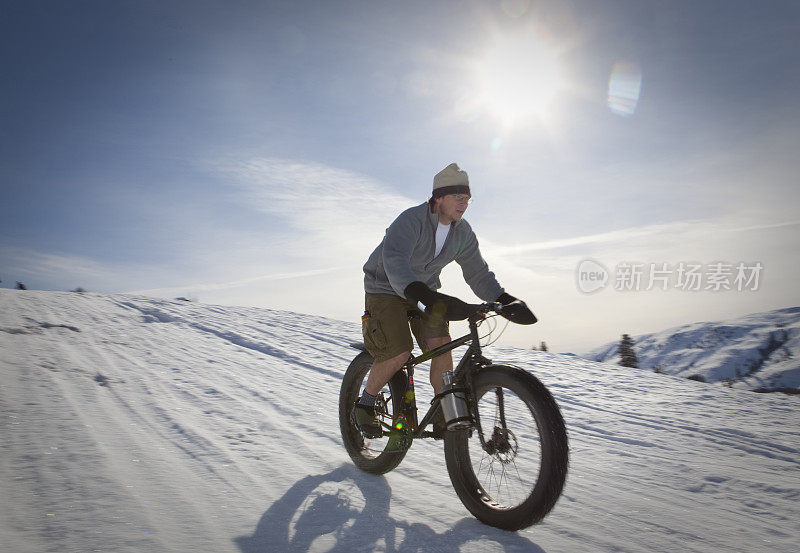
516,479
375,455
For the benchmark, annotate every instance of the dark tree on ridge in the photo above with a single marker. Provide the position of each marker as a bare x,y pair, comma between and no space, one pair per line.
627,357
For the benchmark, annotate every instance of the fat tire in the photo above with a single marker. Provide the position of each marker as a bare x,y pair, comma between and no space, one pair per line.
352,384
554,452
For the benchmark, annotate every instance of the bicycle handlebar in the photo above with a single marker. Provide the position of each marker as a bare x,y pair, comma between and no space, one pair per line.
488,307
516,311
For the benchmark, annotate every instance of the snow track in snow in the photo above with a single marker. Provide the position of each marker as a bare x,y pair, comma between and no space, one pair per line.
135,424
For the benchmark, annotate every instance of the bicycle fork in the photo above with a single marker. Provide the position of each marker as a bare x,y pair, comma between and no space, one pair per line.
499,434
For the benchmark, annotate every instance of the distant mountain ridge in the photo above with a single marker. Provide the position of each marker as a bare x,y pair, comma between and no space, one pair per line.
760,351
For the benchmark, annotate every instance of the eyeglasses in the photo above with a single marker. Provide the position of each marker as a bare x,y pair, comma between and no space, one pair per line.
462,198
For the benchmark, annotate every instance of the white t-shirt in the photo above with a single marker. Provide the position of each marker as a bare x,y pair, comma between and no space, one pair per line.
441,236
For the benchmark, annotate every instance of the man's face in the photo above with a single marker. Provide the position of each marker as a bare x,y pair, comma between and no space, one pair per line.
452,207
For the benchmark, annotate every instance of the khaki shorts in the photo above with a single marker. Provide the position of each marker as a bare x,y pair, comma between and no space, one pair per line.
386,326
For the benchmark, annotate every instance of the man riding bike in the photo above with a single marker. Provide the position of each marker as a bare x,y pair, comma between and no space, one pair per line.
402,274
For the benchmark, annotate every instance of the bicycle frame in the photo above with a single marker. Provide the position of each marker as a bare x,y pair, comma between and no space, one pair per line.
472,359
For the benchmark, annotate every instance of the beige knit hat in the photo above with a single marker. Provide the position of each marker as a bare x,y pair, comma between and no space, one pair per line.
450,180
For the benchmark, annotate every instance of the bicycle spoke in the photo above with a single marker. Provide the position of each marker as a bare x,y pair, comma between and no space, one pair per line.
508,467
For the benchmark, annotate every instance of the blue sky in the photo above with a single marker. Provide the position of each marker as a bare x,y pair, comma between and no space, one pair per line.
252,153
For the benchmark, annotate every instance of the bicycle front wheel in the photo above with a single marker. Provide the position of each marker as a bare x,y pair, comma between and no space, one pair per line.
515,479
375,455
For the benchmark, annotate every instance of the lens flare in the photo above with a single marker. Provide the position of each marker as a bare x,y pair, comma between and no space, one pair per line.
496,144
624,88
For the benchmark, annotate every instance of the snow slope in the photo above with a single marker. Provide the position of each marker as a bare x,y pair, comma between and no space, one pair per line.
759,351
134,424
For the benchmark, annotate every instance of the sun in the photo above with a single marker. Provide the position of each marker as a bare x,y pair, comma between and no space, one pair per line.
518,78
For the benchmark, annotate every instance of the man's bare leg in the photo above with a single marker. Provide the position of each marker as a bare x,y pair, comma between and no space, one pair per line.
382,372
439,364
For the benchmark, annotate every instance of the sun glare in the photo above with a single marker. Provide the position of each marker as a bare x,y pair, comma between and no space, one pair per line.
518,78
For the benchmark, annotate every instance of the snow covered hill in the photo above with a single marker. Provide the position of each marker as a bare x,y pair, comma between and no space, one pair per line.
131,424
758,352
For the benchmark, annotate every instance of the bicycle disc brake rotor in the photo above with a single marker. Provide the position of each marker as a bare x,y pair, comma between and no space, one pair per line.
502,445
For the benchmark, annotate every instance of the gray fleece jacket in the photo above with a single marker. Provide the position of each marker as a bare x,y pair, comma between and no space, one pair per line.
406,255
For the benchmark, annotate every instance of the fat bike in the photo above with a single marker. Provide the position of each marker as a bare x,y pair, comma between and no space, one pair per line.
505,443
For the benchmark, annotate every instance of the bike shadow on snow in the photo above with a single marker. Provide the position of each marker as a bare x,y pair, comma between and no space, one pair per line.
347,510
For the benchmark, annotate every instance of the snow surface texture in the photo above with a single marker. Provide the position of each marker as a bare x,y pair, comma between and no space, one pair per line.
756,352
134,424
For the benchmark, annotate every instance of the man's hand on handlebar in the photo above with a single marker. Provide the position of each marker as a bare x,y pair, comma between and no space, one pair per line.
515,310
438,304
453,309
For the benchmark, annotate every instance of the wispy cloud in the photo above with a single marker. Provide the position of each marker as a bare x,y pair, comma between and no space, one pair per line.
609,237
317,219
210,287
318,225
331,212
672,231
767,227
25,263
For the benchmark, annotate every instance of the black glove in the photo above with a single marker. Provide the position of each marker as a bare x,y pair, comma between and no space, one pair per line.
505,299
515,310
418,292
454,308
437,304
